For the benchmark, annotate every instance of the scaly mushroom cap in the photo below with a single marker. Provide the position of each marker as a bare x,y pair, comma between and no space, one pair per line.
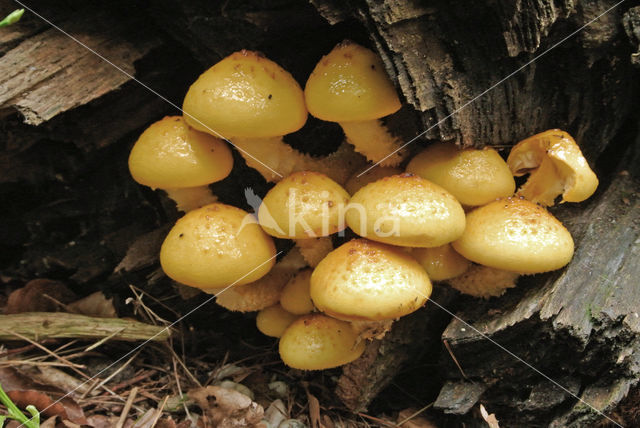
474,177
557,166
350,84
441,262
245,95
170,154
296,296
304,205
406,210
366,280
318,342
355,183
515,235
274,320
215,246
484,281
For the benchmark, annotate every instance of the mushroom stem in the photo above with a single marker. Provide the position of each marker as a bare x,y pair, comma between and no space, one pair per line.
369,330
483,281
373,140
190,198
315,249
274,159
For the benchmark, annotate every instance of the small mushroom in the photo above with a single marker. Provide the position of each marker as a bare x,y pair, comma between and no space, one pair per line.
370,281
350,86
296,295
252,101
475,177
307,207
441,263
172,156
274,320
556,167
318,342
211,248
516,235
406,210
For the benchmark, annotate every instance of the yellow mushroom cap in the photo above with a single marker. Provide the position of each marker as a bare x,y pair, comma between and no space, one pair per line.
557,166
245,95
215,246
304,205
366,280
318,342
296,295
406,210
484,281
474,177
355,183
170,154
350,84
274,320
441,262
515,235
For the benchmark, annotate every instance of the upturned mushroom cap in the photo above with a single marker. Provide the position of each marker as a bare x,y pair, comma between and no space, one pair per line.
304,205
355,183
274,320
441,262
170,154
350,84
557,167
296,296
245,95
475,177
215,246
318,342
366,280
515,235
406,210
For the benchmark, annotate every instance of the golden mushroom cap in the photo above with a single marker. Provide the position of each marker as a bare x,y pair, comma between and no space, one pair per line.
304,205
296,295
318,342
441,262
516,235
350,84
216,246
475,177
355,183
366,280
274,320
556,165
406,210
170,155
245,95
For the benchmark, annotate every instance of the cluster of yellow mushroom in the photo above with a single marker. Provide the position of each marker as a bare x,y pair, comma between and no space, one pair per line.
452,215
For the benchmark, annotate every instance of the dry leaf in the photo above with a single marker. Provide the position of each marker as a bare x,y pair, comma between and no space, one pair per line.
314,410
94,305
490,419
101,421
405,420
31,297
24,391
227,408
143,252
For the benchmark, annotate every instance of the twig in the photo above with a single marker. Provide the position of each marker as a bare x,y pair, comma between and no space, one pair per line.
127,407
455,360
108,378
413,415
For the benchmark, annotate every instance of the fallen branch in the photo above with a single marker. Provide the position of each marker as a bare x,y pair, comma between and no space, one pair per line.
59,325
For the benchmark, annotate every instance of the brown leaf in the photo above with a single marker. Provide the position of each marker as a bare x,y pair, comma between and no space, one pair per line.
101,421
31,297
24,391
490,419
227,408
406,418
314,410
94,305
143,252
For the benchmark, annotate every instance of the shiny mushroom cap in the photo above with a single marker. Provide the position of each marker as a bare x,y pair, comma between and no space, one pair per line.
216,246
516,235
245,95
556,165
366,280
318,342
357,181
475,177
304,205
274,320
406,210
296,295
441,262
350,84
170,154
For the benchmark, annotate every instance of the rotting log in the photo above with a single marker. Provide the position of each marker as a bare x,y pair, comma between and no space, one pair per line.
60,325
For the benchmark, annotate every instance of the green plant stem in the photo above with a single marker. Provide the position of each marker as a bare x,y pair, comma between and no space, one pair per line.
12,18
15,413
